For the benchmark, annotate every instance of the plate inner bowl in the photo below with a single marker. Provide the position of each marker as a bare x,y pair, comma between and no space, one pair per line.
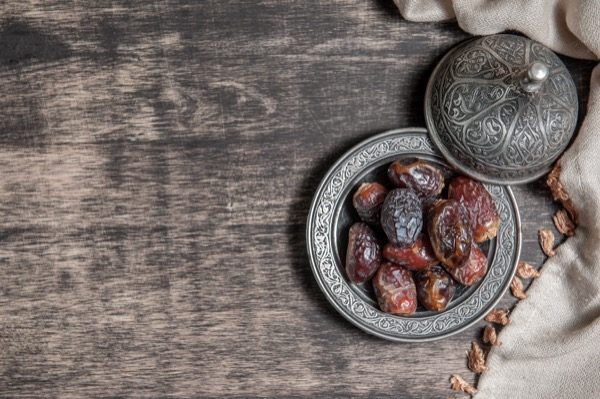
345,216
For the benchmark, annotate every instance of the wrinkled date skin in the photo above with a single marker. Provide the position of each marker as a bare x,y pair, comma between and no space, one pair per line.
479,204
417,257
473,269
363,255
450,232
368,200
402,216
421,177
395,289
435,288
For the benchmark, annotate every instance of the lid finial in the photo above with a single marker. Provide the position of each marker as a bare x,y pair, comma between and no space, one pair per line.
537,73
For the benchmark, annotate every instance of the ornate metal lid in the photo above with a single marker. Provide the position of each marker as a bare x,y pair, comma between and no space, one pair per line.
501,108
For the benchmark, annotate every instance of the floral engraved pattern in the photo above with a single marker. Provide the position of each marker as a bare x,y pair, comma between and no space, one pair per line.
477,302
482,118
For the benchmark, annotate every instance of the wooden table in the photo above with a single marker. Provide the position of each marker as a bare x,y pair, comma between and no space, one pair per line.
158,159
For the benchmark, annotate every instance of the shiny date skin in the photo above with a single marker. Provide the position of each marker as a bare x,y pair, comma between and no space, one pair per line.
473,269
367,201
395,289
450,232
435,288
416,257
402,216
423,178
363,255
478,202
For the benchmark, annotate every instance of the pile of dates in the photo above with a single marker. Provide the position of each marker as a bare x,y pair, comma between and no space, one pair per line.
432,241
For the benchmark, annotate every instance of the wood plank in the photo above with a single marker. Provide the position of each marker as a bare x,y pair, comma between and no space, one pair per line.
158,162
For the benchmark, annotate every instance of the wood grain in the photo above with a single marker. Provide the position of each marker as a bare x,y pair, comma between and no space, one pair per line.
158,160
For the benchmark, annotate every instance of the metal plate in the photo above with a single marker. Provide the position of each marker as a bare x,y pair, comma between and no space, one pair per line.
483,120
331,215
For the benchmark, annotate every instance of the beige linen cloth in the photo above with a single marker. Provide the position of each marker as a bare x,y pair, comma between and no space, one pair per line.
552,347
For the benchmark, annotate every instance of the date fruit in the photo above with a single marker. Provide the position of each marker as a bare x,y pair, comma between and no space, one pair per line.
395,289
416,257
449,232
435,288
479,204
431,243
402,216
363,255
368,200
423,178
473,269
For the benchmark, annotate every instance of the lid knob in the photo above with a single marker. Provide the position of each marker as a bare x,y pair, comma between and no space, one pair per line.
536,75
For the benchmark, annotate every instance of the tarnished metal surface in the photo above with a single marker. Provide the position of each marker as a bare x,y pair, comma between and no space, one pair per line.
501,108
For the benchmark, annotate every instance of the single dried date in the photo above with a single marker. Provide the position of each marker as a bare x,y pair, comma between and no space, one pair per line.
479,204
473,269
435,288
395,289
417,257
368,200
423,178
363,256
449,232
402,216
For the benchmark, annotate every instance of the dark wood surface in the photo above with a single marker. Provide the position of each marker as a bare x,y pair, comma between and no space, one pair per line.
158,160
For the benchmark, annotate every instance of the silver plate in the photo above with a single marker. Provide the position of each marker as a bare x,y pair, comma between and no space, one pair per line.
331,214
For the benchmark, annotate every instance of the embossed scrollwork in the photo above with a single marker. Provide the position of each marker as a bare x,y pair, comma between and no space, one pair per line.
329,273
484,120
